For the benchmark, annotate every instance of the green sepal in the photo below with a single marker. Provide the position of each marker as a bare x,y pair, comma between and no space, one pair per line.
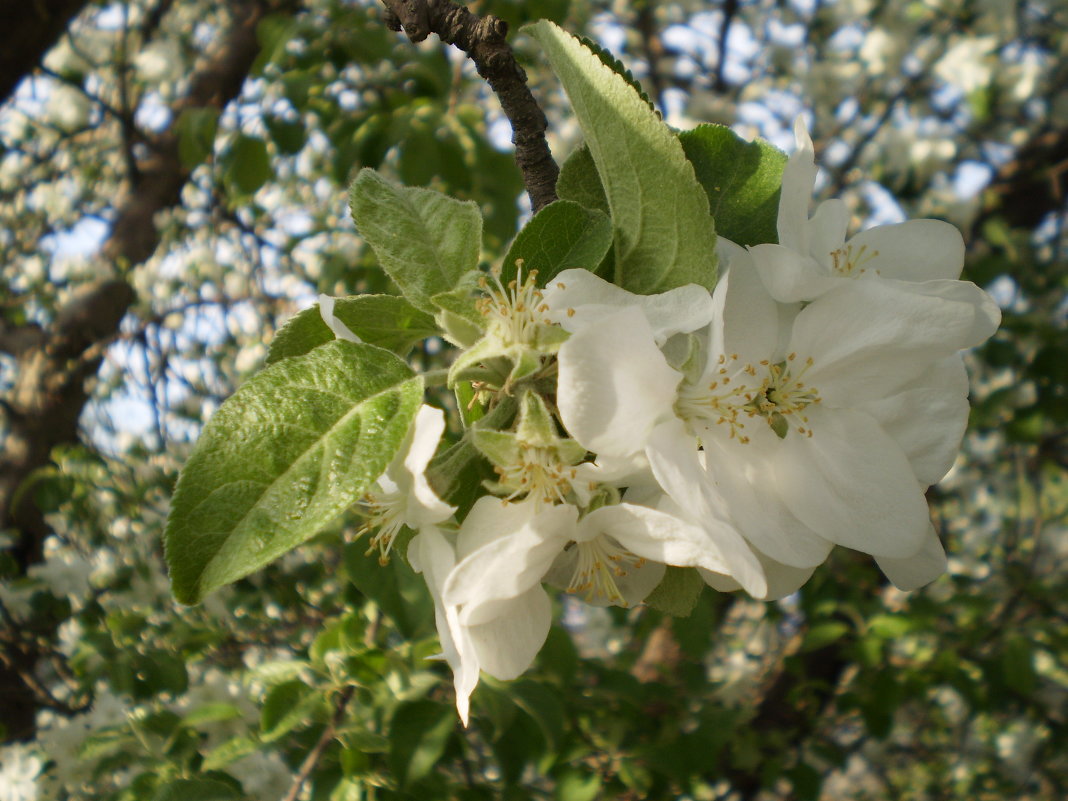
500,447
456,474
536,425
685,353
460,331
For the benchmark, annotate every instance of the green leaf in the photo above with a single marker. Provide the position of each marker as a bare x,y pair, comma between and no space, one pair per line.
394,587
247,165
1018,665
544,706
230,751
561,236
574,785
664,236
196,135
580,182
677,592
742,179
287,706
417,738
196,790
425,240
823,634
294,447
387,321
288,135
617,67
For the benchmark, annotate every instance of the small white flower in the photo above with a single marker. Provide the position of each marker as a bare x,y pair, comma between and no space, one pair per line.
403,496
813,255
19,768
497,613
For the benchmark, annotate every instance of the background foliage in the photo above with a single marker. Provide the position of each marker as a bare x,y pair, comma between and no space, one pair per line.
173,188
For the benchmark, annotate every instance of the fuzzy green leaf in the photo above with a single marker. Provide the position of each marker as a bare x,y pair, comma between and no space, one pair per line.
387,321
425,240
580,182
742,179
561,236
677,592
664,235
287,453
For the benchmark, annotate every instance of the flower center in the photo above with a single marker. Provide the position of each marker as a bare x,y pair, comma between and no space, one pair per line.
514,313
598,563
539,474
385,512
734,395
847,263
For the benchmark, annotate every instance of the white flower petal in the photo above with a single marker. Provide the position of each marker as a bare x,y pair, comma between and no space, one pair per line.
614,384
634,583
917,570
852,484
827,230
782,579
578,298
927,420
507,644
870,338
673,457
916,250
341,331
424,506
655,535
747,480
509,565
432,555
798,179
790,276
747,316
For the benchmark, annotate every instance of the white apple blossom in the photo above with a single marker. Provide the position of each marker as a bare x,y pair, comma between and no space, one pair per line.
19,767
497,612
813,255
402,496
779,432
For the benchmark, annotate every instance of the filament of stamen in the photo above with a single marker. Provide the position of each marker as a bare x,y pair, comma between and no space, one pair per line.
845,262
385,512
598,563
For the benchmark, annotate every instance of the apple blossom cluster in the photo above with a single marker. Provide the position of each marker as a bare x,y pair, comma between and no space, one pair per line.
807,402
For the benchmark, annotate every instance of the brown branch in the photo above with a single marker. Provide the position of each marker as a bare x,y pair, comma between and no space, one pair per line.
652,49
310,762
27,31
730,9
483,40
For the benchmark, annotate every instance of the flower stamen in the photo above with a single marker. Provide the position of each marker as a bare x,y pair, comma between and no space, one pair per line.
598,563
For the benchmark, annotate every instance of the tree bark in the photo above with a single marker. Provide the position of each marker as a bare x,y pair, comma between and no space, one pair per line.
28,29
483,40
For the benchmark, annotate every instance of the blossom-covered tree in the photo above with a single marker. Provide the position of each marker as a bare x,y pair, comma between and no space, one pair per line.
350,451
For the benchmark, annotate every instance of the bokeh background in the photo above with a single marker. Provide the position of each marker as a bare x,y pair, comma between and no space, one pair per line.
173,185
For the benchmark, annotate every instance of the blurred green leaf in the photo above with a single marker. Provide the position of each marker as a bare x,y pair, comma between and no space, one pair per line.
418,735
